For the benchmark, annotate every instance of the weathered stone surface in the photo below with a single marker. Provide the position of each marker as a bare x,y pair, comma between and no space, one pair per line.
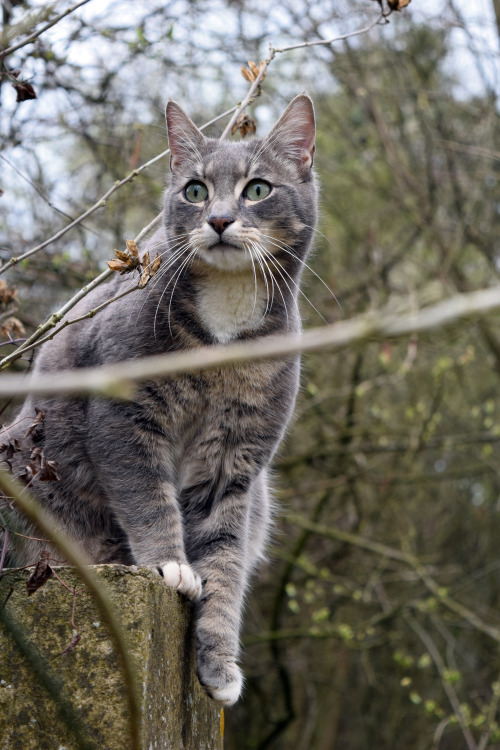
176,712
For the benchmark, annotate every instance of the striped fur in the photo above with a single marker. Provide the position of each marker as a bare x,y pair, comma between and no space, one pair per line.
177,478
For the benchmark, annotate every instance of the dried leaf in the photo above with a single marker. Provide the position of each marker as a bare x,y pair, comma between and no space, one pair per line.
41,574
71,645
398,4
132,248
155,264
119,265
253,68
36,427
251,73
12,328
9,448
7,294
126,261
245,124
149,269
13,446
26,475
24,91
247,75
122,256
48,471
40,467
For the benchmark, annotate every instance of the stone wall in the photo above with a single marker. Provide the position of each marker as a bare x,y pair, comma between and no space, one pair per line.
175,711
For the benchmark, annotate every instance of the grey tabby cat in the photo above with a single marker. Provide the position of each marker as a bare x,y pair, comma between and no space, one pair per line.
177,478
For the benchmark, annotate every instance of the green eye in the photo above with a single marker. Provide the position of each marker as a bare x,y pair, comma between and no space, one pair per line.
256,190
196,192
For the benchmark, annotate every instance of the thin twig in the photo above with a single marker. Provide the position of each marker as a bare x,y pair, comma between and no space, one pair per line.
38,338
325,42
492,710
31,37
101,202
448,688
394,554
55,318
251,91
273,51
65,323
41,194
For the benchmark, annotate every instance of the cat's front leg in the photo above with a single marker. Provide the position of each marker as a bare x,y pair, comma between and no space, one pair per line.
136,477
218,550
155,536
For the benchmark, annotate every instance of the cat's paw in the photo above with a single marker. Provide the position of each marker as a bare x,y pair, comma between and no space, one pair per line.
223,682
183,578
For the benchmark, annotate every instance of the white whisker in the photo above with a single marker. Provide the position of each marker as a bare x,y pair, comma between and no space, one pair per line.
299,290
249,251
269,256
175,253
263,266
287,249
176,276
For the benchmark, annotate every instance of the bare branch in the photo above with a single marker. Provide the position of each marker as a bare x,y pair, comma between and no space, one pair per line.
55,318
118,380
90,314
31,37
326,42
101,202
251,91
448,688
254,88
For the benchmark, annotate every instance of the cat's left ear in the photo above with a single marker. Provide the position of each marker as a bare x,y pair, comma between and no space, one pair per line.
184,138
294,133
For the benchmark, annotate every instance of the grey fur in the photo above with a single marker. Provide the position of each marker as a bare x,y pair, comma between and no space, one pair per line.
177,479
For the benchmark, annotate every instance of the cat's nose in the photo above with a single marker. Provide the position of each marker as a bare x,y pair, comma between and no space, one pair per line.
220,223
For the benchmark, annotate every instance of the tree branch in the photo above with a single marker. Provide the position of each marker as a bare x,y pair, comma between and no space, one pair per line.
118,379
394,554
273,51
101,202
31,37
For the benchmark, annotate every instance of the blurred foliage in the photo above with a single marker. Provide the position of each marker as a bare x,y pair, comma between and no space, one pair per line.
395,443
376,624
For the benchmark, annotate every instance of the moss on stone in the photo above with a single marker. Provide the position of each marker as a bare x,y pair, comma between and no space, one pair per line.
175,711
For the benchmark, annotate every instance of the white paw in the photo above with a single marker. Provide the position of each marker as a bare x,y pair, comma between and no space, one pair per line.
230,692
183,578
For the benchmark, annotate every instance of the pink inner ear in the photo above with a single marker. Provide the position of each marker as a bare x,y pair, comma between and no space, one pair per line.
308,155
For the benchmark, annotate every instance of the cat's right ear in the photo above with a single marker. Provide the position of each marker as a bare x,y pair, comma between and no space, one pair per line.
294,133
184,138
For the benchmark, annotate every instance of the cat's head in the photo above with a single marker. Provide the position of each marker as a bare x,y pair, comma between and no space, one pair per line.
239,204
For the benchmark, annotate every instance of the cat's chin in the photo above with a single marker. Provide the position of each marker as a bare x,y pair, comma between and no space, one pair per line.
226,257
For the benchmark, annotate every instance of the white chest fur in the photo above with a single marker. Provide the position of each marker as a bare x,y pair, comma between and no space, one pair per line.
231,302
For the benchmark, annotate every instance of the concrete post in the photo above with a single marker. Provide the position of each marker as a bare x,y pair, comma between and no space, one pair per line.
176,714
